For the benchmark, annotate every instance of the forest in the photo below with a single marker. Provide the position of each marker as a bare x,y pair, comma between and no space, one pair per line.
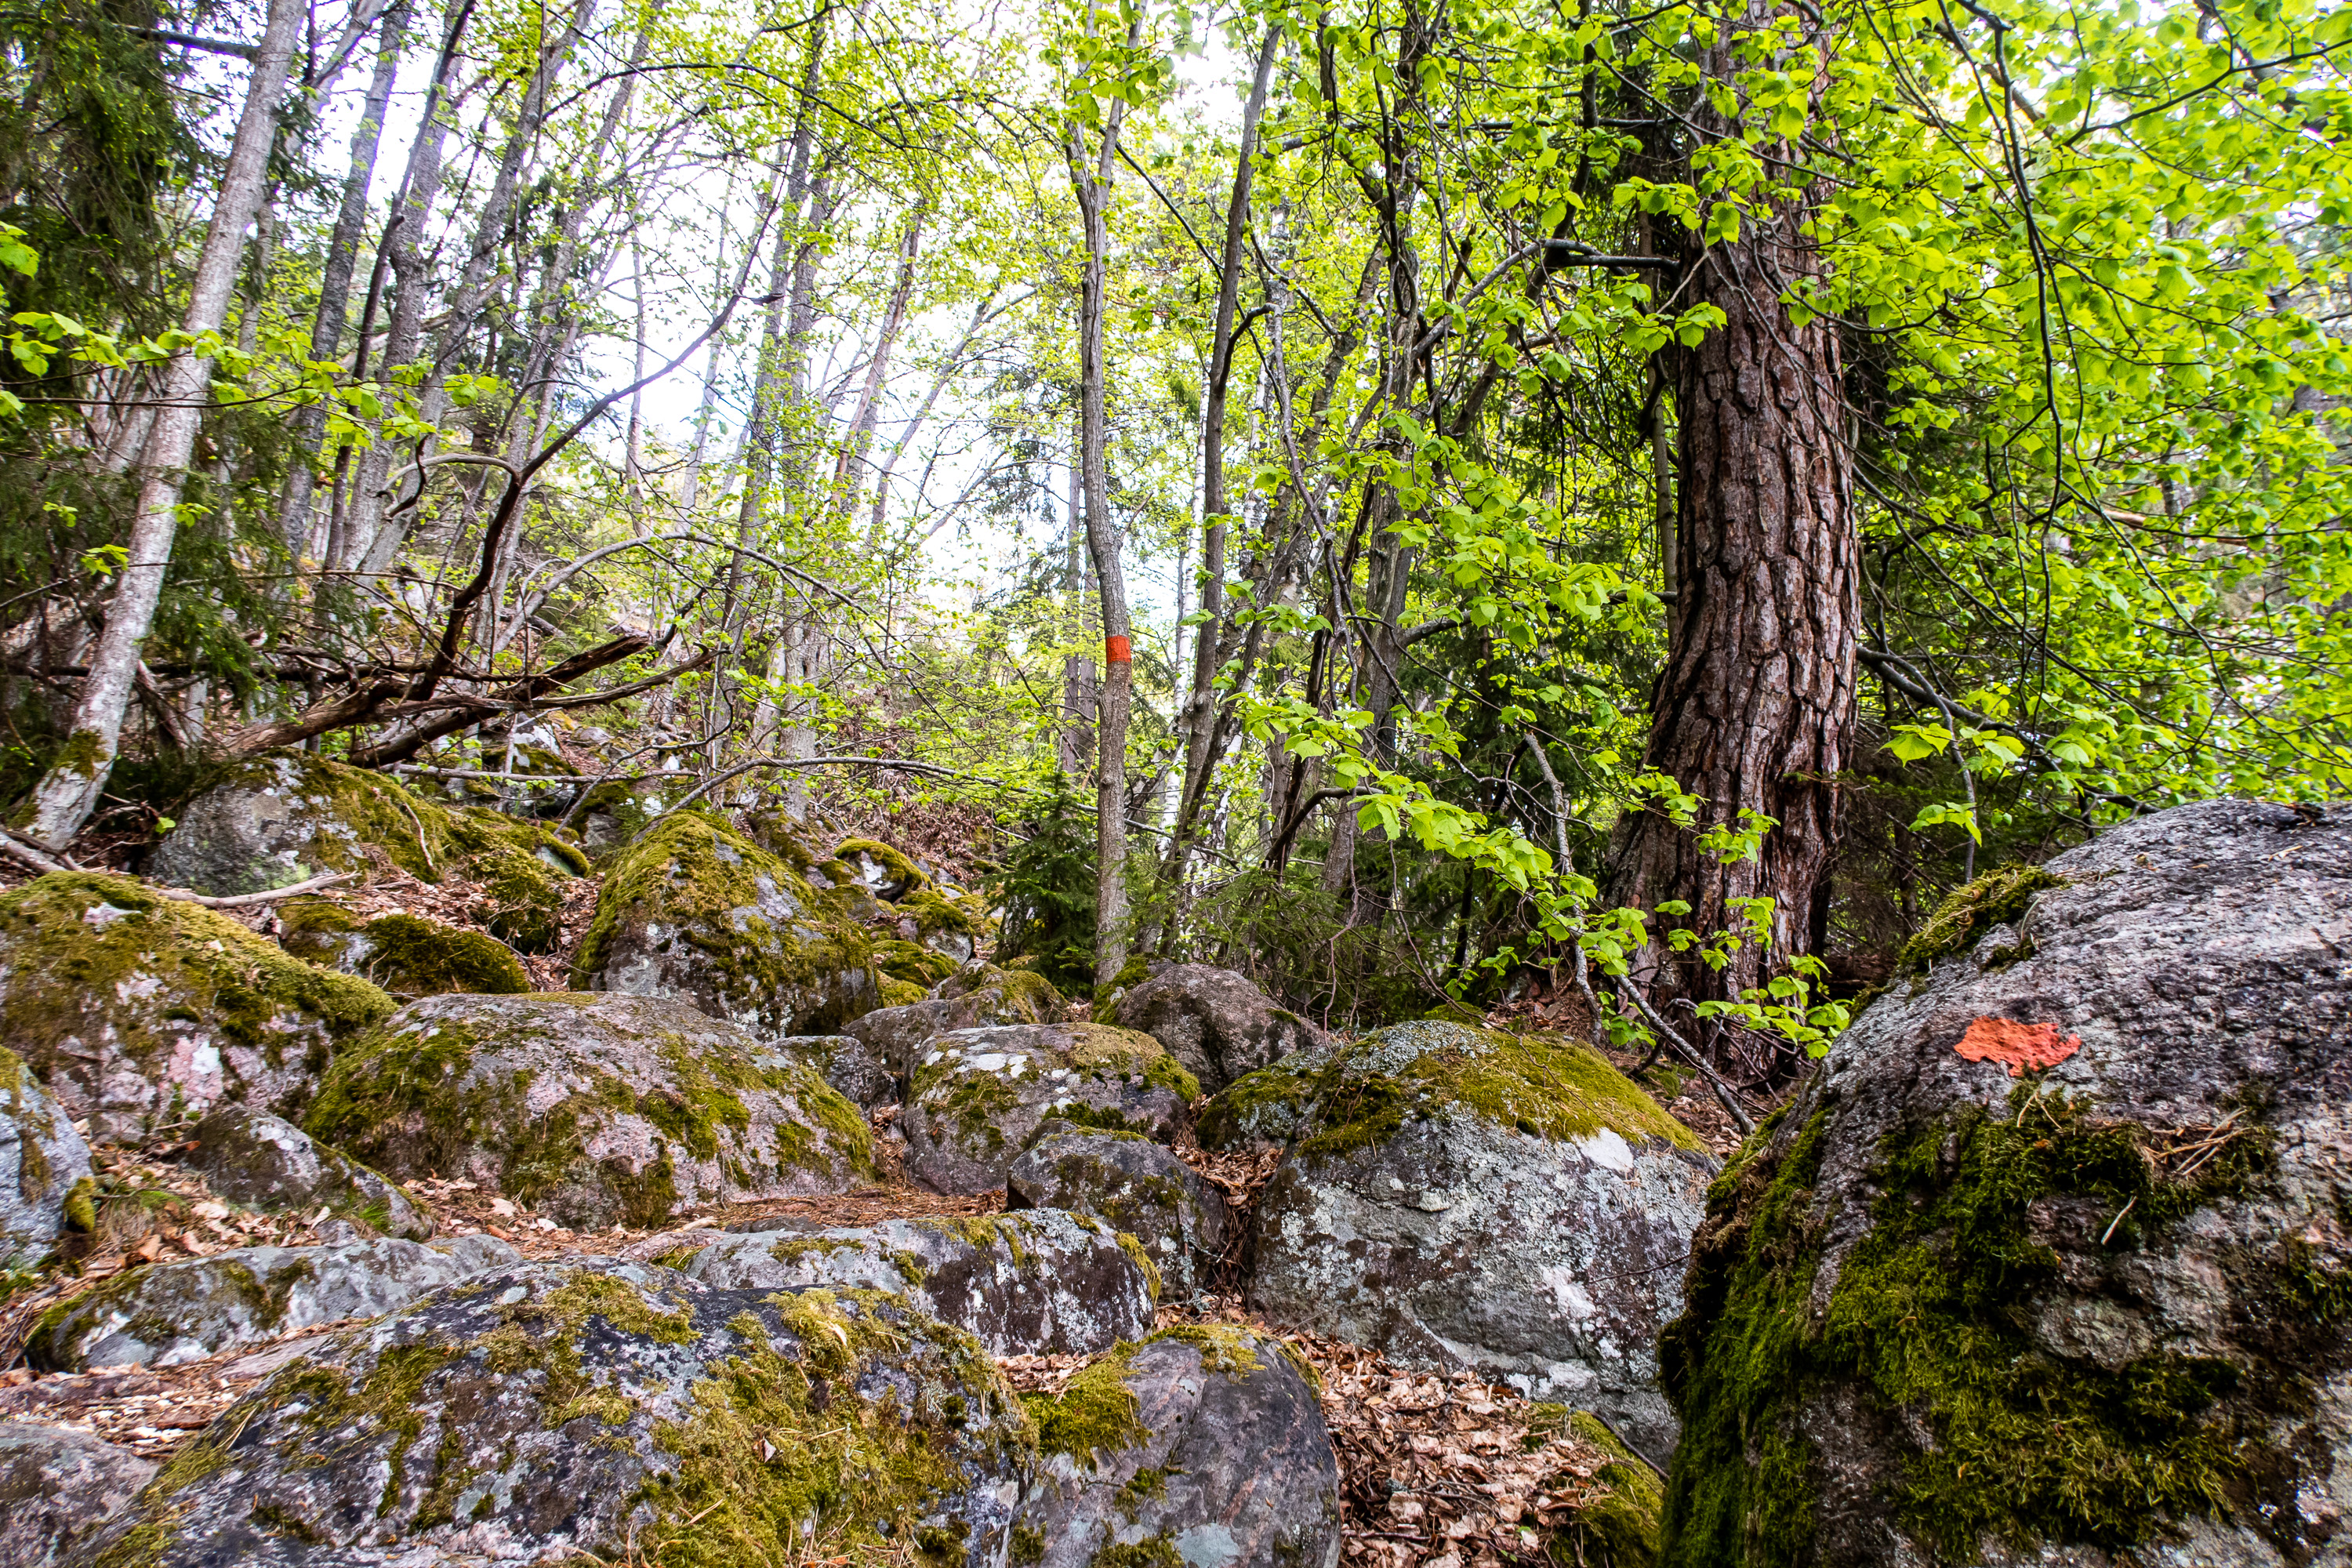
1618,508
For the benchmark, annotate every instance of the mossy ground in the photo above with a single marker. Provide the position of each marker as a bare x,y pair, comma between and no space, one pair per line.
408,1101
66,975
1994,898
1333,1104
1928,1318
1620,1527
693,872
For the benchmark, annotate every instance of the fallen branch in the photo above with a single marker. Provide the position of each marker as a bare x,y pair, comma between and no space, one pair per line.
240,901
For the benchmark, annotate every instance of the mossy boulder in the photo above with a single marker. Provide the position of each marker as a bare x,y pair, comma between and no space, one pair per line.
2051,1260
1452,1196
1040,1283
408,955
1136,1187
43,1162
697,911
1197,1446
1214,1021
57,1487
976,1095
138,1011
619,810
619,1413
261,1162
592,1108
976,995
847,1064
284,817
168,1314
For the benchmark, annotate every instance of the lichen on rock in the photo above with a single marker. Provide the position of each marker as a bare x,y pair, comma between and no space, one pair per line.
1216,1022
57,1487
43,1162
1133,1185
2092,1313
261,1162
608,1411
696,910
975,996
138,1010
593,1108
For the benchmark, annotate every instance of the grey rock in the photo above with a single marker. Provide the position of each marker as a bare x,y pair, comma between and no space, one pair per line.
1462,1197
1229,1465
257,1161
549,1411
592,1108
41,1159
1217,1023
1137,1186
978,995
2161,1202
57,1487
1036,1283
975,1095
847,1064
475,1253
168,1314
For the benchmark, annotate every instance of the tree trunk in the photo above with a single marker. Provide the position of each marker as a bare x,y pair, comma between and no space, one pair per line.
69,792
1093,187
1754,710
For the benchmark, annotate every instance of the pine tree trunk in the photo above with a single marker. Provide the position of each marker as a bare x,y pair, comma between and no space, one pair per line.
1755,707
70,791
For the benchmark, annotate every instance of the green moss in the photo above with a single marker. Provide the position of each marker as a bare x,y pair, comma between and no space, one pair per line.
935,913
1141,1259
1930,1316
1095,1413
1994,898
1156,1552
1100,1050
1223,1349
81,1206
900,993
1028,1548
694,872
1618,1529
902,870
1334,1104
416,957
911,963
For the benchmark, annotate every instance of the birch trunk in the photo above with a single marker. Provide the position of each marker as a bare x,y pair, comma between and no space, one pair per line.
69,792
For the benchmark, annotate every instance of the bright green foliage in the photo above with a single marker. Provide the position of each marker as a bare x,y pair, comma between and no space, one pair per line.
1046,886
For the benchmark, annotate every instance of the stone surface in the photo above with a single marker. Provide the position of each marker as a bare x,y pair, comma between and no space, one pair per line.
1217,1458
1039,1283
168,1313
257,1161
593,1110
848,1065
407,954
42,1159
695,910
1458,1196
286,817
1135,1185
138,1011
978,995
976,1095
57,1487
1952,1305
553,1412
1217,1023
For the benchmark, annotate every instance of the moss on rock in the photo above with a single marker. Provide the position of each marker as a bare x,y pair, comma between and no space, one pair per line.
137,1008
407,954
1995,898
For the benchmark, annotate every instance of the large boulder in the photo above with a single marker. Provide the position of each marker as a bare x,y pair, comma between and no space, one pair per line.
1199,1445
975,1095
285,817
139,1011
847,1064
695,910
408,955
43,1160
1136,1185
1217,1023
976,996
1458,1197
2051,1260
174,1312
257,1161
619,1413
57,1486
593,1109
1025,1284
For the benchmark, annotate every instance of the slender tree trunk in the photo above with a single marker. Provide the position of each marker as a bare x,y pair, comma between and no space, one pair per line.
1093,189
69,792
335,277
1754,710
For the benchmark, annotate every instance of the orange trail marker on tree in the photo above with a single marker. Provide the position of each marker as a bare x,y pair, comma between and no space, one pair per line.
2020,1047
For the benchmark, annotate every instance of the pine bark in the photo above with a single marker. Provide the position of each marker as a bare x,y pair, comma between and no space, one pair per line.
1755,707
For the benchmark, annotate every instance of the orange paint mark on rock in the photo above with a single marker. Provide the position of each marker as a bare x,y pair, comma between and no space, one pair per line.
2020,1047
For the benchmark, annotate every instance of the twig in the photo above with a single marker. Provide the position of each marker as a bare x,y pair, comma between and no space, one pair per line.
23,850
2119,1218
239,900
